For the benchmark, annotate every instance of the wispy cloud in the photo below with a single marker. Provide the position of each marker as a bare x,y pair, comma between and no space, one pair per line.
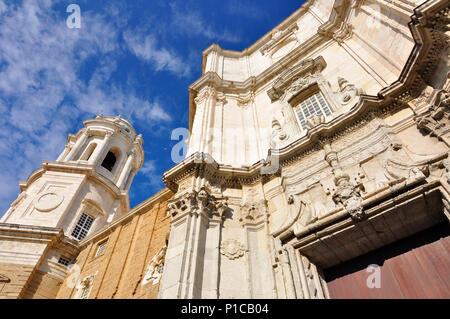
146,48
192,23
245,9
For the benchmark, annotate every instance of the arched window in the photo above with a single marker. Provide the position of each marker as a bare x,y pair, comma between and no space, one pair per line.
88,153
109,161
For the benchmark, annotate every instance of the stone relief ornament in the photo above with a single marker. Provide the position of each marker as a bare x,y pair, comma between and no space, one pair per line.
232,249
197,201
306,215
347,92
314,121
253,213
87,282
155,268
446,164
349,196
48,202
278,134
436,121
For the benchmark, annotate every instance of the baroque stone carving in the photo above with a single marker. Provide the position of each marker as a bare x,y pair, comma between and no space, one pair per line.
307,215
347,91
87,282
436,120
346,193
309,67
345,32
349,196
155,268
446,164
279,37
314,121
198,201
310,278
253,213
232,249
278,134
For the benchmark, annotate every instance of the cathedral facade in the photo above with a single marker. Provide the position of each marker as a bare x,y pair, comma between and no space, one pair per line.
317,167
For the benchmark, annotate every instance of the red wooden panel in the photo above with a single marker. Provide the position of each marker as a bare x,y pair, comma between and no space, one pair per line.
416,267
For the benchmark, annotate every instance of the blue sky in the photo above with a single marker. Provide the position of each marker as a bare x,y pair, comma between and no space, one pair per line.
134,58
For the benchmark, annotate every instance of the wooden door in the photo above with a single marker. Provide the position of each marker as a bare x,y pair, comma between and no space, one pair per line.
415,267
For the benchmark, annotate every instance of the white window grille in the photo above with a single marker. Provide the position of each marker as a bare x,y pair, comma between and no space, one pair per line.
101,248
313,105
82,227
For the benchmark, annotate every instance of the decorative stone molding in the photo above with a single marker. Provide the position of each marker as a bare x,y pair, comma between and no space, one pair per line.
48,201
345,32
446,164
440,21
278,38
245,100
314,121
155,268
306,215
278,134
205,93
296,78
253,213
436,120
347,92
232,249
200,202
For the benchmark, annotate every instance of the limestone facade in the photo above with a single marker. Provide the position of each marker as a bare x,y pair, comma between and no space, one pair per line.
325,140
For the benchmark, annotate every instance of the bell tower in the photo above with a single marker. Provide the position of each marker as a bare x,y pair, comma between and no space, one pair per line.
66,200
90,178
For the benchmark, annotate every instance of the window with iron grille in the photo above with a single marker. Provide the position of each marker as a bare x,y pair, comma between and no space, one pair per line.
82,227
101,248
63,261
313,105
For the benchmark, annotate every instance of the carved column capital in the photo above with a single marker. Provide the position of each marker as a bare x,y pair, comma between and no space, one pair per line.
200,202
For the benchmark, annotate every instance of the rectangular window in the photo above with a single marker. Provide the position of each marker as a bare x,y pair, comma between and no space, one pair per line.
81,229
313,105
101,248
63,261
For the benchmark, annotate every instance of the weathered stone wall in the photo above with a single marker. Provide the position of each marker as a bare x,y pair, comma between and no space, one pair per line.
131,245
13,278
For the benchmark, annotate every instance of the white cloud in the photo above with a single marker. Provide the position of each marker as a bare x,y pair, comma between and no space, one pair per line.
191,23
147,49
245,9
153,178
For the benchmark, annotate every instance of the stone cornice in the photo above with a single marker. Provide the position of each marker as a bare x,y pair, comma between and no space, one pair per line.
30,233
82,169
